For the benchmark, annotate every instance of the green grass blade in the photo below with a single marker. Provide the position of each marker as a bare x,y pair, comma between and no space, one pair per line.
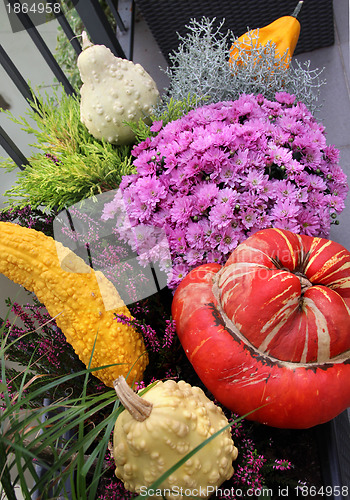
5,477
22,478
101,452
26,400
81,478
108,425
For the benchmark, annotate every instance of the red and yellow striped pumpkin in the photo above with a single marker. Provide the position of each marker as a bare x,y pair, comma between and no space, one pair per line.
271,328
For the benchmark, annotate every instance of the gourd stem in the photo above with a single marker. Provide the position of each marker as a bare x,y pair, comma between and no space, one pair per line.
86,42
297,9
305,283
139,408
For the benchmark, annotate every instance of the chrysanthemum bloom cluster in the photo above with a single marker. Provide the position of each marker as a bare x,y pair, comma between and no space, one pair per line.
228,169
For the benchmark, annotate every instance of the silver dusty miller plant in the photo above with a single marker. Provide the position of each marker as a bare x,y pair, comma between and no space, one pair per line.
200,68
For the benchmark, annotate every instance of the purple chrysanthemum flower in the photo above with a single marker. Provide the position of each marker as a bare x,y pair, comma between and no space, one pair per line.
195,235
285,98
182,210
228,169
156,126
221,215
150,190
309,222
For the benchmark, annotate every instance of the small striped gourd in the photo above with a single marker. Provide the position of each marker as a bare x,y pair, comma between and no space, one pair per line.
71,292
272,327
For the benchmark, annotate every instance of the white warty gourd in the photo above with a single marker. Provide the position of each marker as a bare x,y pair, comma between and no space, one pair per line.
114,91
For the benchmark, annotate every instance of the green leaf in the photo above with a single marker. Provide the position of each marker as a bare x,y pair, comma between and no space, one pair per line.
5,476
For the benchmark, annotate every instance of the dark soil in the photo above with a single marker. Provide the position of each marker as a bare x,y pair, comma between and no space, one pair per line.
301,448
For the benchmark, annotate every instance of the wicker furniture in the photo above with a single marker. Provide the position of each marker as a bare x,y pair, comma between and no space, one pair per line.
166,18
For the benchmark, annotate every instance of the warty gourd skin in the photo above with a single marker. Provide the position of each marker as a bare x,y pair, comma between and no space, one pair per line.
159,428
114,91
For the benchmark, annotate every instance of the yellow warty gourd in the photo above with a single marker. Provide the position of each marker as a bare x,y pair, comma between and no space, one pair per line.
71,292
159,428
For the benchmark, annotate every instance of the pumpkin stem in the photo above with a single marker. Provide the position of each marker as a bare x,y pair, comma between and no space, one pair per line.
139,408
304,281
297,9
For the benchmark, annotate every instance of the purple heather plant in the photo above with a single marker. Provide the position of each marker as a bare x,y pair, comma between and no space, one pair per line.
39,334
149,334
34,340
7,388
226,170
29,217
89,237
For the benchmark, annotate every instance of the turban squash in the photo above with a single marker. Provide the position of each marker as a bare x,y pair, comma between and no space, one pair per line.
270,330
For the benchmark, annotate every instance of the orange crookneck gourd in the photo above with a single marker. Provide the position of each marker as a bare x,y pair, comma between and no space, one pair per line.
82,301
283,33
